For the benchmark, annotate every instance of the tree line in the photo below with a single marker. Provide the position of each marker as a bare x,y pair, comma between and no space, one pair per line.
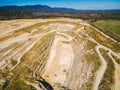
82,14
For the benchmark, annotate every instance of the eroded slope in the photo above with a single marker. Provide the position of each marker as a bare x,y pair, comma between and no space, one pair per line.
59,54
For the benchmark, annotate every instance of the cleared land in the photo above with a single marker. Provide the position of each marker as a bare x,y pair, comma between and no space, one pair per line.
58,54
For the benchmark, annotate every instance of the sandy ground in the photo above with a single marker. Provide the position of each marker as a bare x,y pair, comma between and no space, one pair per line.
61,56
102,69
117,78
12,25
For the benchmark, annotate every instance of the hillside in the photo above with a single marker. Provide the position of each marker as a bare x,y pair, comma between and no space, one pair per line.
34,8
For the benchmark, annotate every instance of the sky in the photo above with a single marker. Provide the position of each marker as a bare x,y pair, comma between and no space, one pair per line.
76,4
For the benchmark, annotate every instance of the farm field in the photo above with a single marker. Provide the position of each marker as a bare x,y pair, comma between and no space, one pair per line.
109,26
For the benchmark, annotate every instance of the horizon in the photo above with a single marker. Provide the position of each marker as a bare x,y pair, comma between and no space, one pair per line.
74,4
60,7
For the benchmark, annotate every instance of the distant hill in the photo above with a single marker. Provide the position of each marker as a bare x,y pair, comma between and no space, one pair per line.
35,8
44,11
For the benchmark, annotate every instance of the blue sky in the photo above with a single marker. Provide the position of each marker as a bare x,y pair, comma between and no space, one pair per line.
77,4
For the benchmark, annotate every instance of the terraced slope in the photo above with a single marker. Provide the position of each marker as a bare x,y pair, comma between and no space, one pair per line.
58,54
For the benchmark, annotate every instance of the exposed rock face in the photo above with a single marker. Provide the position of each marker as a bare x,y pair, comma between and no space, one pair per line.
58,54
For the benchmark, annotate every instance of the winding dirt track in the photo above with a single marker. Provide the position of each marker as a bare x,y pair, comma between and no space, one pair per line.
61,55
29,47
101,71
